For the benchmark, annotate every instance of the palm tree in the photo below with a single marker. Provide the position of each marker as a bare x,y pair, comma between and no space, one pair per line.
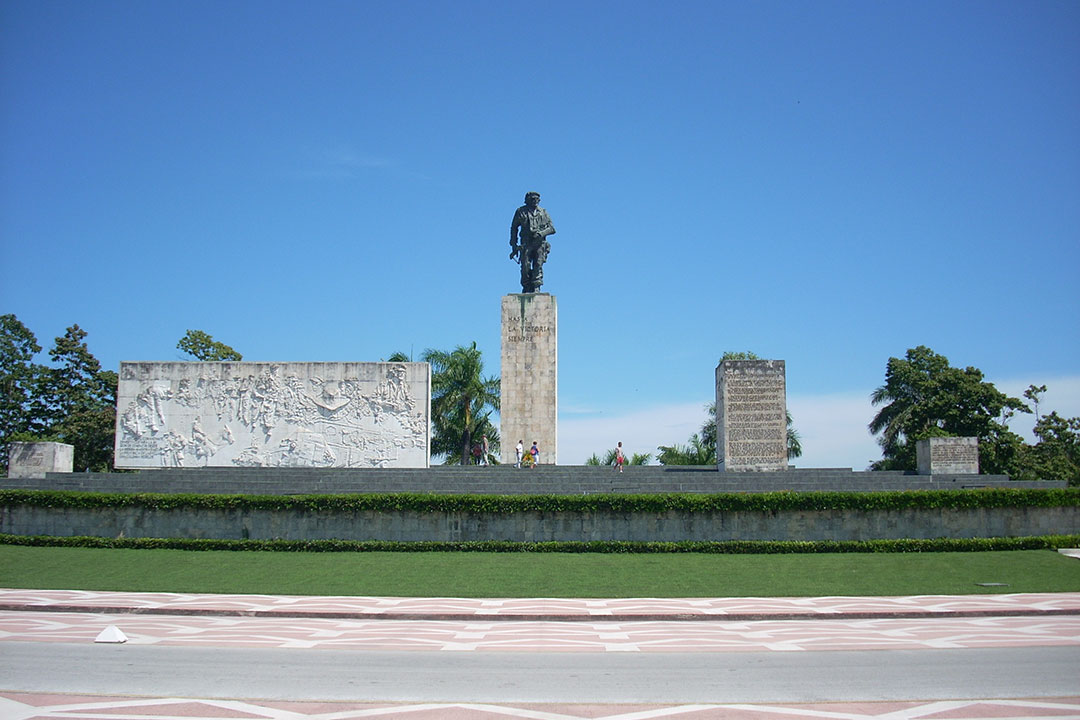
794,442
695,452
462,401
609,459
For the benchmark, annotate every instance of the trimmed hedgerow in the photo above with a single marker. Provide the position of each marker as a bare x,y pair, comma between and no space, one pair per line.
504,504
730,547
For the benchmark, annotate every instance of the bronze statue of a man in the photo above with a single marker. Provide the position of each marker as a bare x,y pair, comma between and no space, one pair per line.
528,241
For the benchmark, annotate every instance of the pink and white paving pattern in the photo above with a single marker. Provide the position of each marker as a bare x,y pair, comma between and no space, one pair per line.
601,625
24,706
551,636
630,625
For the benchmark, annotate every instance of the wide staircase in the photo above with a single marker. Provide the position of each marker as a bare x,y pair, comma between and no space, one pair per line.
503,480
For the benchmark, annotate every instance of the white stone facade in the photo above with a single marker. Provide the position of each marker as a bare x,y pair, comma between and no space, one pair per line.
751,415
245,414
530,375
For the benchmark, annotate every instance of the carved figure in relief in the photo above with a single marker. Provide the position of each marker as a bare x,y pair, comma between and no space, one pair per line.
147,414
393,392
528,241
331,398
201,444
249,457
173,451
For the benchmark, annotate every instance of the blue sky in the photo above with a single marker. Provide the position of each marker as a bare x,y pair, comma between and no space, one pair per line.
827,183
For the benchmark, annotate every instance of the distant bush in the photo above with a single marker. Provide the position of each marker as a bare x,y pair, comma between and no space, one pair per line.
731,547
504,504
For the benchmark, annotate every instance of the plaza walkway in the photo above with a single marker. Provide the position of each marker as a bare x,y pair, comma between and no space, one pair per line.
455,625
603,625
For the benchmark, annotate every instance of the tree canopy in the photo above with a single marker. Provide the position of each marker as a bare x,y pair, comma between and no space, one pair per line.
923,396
202,346
18,382
72,401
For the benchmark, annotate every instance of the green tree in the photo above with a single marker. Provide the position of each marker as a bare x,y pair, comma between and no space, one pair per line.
923,396
1056,455
202,346
19,377
75,402
694,452
794,442
462,401
609,459
1032,394
748,355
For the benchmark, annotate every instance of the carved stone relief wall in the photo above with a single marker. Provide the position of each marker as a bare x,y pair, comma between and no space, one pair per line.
243,414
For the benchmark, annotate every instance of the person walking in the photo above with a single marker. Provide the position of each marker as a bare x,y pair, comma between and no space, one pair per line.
520,450
484,451
619,457
535,452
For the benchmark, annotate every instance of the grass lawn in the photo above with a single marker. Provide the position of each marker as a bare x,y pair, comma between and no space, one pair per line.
537,574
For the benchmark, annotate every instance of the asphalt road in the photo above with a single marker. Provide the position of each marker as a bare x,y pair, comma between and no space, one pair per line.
499,677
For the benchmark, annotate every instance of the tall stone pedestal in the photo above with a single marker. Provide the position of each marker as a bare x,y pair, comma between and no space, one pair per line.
530,375
751,415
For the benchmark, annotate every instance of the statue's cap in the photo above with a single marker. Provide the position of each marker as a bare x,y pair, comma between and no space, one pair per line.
531,193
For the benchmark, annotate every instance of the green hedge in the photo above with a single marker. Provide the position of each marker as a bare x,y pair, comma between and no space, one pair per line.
731,547
503,504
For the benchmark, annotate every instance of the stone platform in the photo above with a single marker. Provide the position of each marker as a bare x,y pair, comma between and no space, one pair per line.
505,480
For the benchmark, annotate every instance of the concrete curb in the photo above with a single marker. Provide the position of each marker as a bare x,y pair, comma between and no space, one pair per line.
538,609
534,617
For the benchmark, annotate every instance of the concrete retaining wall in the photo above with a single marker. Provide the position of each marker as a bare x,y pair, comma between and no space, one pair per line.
504,480
410,526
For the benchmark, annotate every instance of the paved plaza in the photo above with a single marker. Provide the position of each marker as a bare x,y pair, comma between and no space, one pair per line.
424,628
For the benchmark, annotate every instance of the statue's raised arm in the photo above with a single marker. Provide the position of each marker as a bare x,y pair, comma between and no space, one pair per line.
528,241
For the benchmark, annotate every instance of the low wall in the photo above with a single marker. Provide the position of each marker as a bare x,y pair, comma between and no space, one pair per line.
505,480
534,526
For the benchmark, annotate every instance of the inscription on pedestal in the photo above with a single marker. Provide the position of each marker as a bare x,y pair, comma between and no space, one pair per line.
751,415
530,375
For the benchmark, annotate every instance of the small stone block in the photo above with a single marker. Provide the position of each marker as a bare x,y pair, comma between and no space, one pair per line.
34,459
947,456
